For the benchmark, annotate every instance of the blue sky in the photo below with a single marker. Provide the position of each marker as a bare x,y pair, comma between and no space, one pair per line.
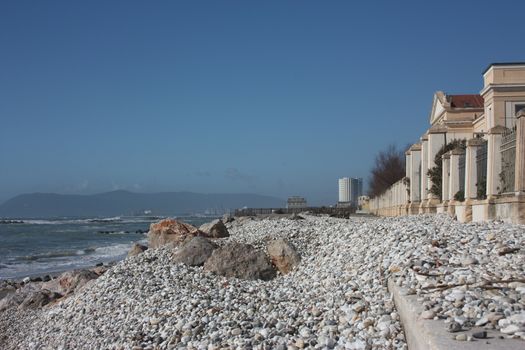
273,97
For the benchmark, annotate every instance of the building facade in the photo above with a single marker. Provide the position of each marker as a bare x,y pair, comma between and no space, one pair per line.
344,190
470,163
296,202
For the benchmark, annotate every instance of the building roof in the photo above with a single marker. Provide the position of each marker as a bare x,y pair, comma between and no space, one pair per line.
503,64
465,101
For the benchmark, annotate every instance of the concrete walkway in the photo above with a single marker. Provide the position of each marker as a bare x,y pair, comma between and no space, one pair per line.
424,334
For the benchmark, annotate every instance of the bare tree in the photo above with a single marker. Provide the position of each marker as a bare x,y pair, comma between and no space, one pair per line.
389,167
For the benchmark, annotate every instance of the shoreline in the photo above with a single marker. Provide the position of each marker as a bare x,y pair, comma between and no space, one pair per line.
78,264
33,247
336,296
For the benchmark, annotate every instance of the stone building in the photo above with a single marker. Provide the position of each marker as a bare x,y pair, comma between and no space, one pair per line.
483,176
296,202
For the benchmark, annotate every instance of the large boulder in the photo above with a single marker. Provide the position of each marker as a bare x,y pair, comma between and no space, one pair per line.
137,249
170,231
283,255
215,229
227,218
71,280
39,299
194,252
18,297
241,261
6,289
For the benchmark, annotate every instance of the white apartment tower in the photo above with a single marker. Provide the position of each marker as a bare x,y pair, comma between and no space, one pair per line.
344,190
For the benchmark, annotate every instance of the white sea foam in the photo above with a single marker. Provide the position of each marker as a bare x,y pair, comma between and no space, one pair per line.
116,219
40,264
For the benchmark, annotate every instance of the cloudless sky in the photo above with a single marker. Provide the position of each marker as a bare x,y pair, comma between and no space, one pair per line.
271,97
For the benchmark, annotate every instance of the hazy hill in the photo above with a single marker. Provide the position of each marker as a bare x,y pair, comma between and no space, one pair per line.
127,203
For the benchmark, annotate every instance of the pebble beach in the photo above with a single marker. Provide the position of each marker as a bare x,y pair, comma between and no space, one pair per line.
337,297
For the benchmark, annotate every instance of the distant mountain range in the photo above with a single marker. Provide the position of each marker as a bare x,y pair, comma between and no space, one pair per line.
117,203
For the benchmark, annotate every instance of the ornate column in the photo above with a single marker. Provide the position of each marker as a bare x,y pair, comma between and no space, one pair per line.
520,153
436,140
471,169
424,170
454,172
494,160
407,163
415,164
454,178
445,175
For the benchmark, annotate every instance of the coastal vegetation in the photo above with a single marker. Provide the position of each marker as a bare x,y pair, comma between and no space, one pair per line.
388,168
436,172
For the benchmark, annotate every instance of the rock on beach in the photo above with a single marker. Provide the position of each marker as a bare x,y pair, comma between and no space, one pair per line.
215,229
136,249
194,252
241,261
170,231
283,255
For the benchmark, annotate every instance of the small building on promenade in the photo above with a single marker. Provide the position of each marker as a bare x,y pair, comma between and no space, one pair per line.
296,202
470,163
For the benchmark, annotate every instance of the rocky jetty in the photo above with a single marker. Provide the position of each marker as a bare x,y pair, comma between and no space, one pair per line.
37,292
336,297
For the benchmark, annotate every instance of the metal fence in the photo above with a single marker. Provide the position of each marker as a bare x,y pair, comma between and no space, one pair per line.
508,160
481,166
462,172
314,210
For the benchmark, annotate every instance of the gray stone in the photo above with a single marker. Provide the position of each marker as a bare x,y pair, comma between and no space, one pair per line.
283,255
18,297
194,252
6,290
510,329
454,327
428,314
480,335
72,280
215,229
137,249
241,261
469,261
227,218
461,337
39,299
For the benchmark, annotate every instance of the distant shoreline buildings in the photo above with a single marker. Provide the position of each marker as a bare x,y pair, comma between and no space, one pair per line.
350,189
296,202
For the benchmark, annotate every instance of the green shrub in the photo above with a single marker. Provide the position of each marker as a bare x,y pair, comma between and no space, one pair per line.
459,196
481,189
436,173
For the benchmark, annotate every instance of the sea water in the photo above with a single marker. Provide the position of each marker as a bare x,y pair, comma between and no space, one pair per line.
32,247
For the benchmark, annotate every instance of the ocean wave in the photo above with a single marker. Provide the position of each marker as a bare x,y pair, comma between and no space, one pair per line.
113,219
55,254
145,231
109,220
64,260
